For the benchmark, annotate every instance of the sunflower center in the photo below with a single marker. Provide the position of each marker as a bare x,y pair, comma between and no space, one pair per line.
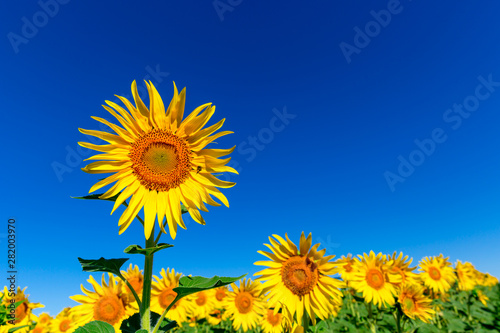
273,319
434,273
244,302
202,299
348,267
64,325
21,312
160,160
109,309
220,294
167,297
374,278
300,275
409,304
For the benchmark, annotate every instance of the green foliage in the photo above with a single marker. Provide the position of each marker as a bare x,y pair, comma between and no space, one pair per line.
137,249
96,327
133,324
102,265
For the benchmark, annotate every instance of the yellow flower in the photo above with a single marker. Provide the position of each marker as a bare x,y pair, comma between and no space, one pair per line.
401,265
23,313
43,323
218,295
413,302
159,160
215,317
272,322
374,279
136,279
482,297
485,279
105,303
466,275
244,305
65,322
346,267
203,304
298,278
437,273
162,295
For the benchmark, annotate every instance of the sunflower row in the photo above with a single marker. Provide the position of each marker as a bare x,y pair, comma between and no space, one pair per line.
298,284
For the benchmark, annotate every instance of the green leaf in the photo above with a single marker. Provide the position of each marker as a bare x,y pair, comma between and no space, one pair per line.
193,284
133,323
137,249
96,326
96,197
102,265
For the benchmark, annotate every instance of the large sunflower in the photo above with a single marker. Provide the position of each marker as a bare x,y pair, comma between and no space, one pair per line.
162,295
414,303
105,303
375,280
245,305
437,273
298,278
159,160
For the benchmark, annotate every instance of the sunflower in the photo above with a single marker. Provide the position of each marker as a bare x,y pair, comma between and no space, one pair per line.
159,160
244,305
215,317
43,323
437,273
23,312
346,267
272,322
374,279
162,295
105,303
203,304
65,322
399,264
136,279
485,279
218,295
298,278
414,303
466,275
482,297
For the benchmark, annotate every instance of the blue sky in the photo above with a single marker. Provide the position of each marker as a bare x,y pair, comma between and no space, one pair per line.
374,126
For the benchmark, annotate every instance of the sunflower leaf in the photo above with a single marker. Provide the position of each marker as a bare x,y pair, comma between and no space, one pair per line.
96,326
192,284
97,197
137,249
102,265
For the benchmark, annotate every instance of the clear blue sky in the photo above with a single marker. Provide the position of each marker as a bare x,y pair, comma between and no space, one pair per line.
362,87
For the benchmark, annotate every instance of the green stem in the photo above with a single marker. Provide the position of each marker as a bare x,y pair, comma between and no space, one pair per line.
305,321
373,328
146,290
139,303
398,319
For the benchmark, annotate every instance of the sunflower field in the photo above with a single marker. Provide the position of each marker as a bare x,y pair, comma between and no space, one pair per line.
159,163
297,293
